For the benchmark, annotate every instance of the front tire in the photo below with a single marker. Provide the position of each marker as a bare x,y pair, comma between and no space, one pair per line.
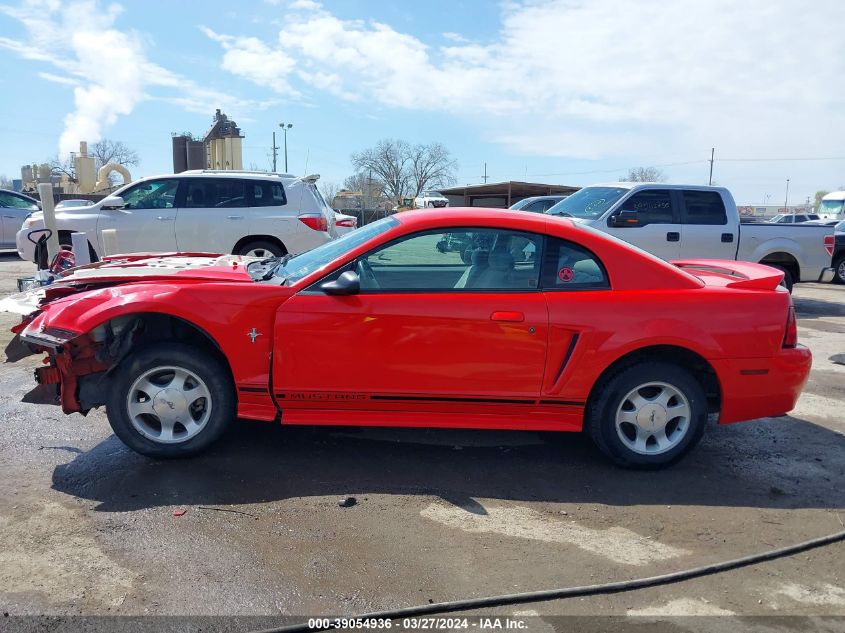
170,400
647,415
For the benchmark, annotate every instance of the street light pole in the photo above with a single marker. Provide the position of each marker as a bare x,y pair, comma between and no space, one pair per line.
286,127
786,199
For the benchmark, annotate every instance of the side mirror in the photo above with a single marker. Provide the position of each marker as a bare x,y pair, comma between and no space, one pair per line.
112,202
347,284
624,219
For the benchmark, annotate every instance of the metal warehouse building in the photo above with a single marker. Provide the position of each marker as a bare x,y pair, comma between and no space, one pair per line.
501,195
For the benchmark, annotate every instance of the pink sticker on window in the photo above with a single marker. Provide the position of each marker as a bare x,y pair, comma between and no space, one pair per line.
565,274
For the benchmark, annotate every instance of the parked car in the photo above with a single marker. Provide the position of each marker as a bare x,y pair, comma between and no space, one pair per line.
673,221
344,223
376,329
838,252
240,212
70,204
14,208
431,199
537,204
793,218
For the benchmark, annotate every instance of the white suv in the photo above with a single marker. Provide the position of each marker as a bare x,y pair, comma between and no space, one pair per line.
431,199
245,213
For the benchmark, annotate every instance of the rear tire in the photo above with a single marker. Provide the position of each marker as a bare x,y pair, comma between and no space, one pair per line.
647,415
839,270
170,400
788,280
261,248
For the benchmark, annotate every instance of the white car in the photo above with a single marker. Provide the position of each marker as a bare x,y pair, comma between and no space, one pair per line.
431,199
239,212
344,223
71,204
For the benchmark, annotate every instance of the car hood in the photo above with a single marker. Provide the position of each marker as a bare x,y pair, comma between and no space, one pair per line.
137,267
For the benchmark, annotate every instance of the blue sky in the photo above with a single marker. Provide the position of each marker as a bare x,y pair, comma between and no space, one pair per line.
561,91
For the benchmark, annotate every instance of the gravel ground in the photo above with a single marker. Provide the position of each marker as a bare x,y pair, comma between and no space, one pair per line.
88,528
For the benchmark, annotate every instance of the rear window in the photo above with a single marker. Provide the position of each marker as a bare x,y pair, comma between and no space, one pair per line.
703,207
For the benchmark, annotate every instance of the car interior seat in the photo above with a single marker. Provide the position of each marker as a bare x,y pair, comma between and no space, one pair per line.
197,197
499,271
478,264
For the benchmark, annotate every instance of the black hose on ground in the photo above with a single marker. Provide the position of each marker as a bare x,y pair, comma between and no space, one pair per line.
575,592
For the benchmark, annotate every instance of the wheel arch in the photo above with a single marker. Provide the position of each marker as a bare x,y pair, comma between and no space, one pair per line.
785,260
258,238
692,361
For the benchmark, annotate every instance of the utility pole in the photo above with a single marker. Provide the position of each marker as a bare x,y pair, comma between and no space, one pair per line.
712,154
485,173
286,127
786,199
275,151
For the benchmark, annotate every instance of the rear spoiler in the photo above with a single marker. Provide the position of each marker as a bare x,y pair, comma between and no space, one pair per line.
748,275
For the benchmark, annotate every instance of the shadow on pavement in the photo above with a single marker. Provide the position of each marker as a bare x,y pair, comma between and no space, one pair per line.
771,463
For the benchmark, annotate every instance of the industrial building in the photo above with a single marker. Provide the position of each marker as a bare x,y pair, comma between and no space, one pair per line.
501,195
220,148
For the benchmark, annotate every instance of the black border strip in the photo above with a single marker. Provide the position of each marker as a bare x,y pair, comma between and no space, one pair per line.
565,403
254,389
448,399
572,343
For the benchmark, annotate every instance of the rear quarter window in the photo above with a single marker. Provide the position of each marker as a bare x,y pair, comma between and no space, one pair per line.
568,266
263,193
703,207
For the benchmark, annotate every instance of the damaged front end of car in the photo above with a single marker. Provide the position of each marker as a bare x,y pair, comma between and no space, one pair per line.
77,365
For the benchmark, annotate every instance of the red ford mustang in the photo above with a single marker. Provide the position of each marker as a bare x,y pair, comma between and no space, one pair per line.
455,318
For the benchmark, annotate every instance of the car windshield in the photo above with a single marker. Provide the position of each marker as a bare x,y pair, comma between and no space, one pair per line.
589,203
516,206
831,207
298,267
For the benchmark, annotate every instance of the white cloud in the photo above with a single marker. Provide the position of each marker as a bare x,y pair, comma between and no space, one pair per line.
252,59
583,79
108,67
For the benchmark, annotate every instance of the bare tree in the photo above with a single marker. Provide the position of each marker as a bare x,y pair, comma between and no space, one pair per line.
388,163
644,174
107,151
431,166
5,182
329,190
59,166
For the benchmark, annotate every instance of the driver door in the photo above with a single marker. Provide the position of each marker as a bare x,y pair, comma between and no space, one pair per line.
431,330
147,221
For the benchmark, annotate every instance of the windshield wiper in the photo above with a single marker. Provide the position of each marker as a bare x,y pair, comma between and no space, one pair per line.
284,259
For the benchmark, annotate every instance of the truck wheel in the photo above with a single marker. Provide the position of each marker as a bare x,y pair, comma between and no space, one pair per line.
65,243
170,400
647,415
261,248
788,281
839,270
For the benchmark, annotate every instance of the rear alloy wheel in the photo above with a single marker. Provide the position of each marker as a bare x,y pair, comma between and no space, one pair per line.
648,415
170,400
261,248
839,270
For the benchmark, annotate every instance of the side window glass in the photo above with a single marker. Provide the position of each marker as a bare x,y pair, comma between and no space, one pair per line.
537,207
155,194
653,206
704,207
567,266
210,193
266,194
462,260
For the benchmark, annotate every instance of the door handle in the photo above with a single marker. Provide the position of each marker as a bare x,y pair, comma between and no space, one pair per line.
164,218
673,236
514,317
727,237
234,217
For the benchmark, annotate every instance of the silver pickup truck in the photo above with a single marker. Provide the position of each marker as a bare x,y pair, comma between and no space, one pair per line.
690,221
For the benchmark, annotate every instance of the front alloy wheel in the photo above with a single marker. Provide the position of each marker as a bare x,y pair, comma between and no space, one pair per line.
170,400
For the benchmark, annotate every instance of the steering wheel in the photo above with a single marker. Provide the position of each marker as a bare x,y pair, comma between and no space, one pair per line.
365,272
